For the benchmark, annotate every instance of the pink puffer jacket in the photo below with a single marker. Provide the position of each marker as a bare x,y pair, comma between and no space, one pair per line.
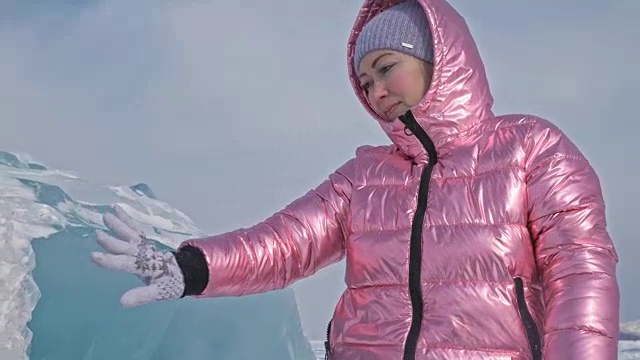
473,236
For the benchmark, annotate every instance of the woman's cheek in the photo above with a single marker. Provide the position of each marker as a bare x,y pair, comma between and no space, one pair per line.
397,83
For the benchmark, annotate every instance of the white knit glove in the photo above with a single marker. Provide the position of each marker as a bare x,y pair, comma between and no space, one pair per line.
133,253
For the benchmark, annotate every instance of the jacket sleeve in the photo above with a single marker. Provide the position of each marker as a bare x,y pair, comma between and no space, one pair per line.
305,236
575,256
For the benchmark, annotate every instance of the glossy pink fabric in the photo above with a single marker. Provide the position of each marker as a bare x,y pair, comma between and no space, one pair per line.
511,197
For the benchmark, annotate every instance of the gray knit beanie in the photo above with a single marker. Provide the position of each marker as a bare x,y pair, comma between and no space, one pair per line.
403,27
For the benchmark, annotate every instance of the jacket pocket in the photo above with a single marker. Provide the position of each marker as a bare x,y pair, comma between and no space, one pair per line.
533,335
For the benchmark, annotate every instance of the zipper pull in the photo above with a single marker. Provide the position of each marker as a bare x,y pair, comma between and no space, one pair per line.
407,131
409,126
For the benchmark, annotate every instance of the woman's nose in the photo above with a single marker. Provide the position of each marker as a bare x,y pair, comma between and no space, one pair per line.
378,91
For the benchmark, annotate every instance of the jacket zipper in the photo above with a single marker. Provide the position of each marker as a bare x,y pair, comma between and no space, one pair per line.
415,247
533,336
327,344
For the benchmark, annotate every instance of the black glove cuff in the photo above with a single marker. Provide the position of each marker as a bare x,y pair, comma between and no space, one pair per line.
194,268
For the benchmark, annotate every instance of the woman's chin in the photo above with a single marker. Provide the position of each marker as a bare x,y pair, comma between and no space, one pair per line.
391,116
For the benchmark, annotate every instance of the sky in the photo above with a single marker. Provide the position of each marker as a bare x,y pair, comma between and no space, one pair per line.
230,110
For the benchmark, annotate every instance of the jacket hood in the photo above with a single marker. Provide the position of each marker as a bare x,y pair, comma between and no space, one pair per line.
459,95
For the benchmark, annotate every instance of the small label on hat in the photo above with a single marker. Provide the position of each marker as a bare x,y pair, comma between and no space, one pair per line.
410,46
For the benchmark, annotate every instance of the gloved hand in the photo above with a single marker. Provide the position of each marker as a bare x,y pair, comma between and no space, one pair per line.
133,253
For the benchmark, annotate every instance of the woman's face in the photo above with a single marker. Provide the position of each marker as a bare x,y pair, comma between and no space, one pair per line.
394,82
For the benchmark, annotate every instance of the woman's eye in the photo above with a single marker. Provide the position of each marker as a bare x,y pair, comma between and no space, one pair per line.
366,86
385,69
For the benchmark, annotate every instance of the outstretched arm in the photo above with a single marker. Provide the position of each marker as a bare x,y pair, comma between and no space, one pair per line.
294,243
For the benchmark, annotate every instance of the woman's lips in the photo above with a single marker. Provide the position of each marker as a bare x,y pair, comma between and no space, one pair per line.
390,109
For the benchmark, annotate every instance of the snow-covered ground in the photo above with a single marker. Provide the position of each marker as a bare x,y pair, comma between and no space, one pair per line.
318,348
627,350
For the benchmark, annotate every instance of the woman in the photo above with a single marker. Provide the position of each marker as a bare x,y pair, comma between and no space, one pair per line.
472,236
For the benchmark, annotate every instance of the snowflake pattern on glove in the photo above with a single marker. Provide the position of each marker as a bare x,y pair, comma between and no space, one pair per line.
132,252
